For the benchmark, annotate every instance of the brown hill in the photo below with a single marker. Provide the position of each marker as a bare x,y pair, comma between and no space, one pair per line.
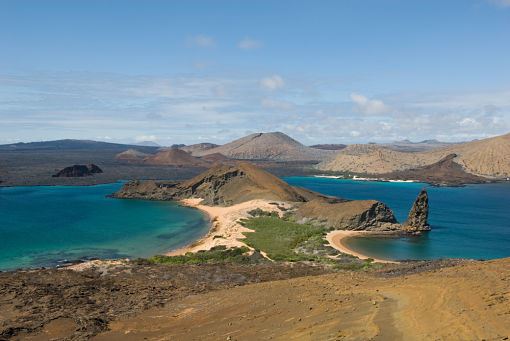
445,171
274,146
374,159
175,157
488,157
132,155
222,185
227,185
215,158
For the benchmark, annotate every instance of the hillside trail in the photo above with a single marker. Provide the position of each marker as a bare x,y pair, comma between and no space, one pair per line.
460,303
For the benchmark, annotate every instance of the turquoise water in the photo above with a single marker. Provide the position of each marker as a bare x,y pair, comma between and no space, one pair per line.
42,226
467,222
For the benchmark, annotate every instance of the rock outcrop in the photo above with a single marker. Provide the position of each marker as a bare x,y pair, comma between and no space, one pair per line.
417,220
78,171
369,215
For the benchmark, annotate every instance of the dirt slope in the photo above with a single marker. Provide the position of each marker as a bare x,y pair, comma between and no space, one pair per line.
488,157
466,302
268,146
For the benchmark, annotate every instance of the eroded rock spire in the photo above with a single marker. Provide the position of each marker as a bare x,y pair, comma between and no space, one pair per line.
419,214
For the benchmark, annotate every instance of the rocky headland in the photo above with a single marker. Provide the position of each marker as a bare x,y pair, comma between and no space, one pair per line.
231,184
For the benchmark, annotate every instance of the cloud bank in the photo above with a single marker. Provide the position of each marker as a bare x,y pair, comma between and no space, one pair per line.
192,108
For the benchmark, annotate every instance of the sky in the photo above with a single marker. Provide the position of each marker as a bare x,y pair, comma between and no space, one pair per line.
343,71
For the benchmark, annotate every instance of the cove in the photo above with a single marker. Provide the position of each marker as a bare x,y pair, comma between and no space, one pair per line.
467,222
48,225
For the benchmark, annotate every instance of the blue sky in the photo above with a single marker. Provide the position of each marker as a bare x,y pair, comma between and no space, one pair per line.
190,71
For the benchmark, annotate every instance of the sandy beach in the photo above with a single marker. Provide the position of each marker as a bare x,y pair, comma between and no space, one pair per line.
336,238
225,228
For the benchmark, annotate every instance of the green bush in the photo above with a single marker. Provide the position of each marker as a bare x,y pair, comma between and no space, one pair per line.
218,254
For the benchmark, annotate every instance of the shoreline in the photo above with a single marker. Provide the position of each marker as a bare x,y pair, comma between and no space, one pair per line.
224,229
224,223
336,237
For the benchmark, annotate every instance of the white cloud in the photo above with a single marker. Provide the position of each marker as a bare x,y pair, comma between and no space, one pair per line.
145,138
249,44
201,41
273,82
369,106
468,122
190,108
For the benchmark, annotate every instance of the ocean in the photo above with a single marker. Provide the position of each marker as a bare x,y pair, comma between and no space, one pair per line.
49,225
467,222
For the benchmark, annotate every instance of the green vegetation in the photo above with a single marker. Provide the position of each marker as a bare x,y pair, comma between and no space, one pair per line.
287,240
279,238
282,239
258,212
218,254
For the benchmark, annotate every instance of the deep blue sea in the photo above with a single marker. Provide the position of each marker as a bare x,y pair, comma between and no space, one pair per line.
467,222
42,226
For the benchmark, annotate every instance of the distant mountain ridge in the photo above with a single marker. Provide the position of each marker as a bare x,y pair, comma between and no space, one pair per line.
329,146
70,144
410,146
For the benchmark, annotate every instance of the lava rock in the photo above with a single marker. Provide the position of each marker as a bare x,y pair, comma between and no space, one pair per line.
78,171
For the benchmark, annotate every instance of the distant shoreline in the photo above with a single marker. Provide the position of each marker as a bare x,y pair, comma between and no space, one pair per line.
430,183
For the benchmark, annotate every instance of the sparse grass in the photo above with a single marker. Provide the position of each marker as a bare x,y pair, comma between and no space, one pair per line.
258,212
286,240
218,254
279,238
